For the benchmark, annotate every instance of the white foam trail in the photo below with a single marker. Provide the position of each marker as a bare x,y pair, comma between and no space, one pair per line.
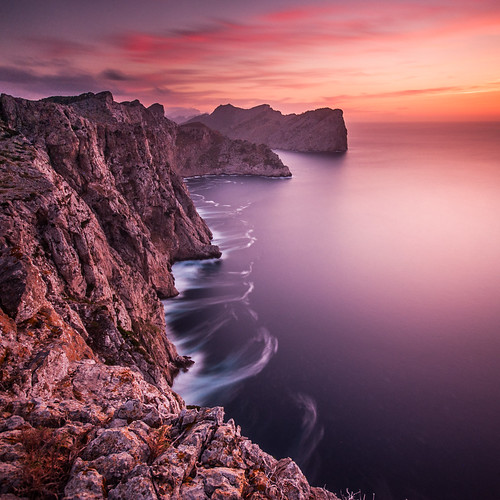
185,380
312,433
244,274
178,306
226,299
185,275
235,368
243,207
245,296
191,342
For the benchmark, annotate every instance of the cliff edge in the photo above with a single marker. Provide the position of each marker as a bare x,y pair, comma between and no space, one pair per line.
320,130
93,213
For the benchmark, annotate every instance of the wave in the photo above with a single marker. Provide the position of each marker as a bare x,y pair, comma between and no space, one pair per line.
211,320
245,273
311,431
198,386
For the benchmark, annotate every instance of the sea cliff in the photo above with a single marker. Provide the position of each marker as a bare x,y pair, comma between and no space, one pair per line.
320,130
94,212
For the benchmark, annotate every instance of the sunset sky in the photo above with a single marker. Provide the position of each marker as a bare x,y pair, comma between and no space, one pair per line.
377,60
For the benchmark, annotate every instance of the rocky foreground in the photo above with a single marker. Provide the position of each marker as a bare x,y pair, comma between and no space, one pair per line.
320,130
93,213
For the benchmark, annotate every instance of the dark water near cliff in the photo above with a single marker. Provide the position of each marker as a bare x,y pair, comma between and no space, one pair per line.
354,320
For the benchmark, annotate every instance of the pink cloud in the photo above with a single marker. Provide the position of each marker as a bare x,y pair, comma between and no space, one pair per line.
395,49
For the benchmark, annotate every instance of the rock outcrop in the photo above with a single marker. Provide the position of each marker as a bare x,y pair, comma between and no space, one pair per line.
93,212
203,151
321,130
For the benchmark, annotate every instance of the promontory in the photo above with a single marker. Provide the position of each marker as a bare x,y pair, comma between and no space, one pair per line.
93,212
320,130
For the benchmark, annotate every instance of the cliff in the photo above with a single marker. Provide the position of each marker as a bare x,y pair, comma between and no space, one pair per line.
93,214
203,151
321,130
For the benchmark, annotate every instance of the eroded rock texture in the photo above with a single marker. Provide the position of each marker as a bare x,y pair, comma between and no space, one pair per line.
320,130
93,213
204,151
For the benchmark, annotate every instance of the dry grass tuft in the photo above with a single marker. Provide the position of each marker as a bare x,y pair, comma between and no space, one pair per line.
159,442
47,463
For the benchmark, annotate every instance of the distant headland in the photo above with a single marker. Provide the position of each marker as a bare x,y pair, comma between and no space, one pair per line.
320,130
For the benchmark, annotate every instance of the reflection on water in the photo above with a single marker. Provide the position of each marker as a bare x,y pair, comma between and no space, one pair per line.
353,322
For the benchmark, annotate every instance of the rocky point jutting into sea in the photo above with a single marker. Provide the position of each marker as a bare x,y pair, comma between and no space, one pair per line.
94,212
320,130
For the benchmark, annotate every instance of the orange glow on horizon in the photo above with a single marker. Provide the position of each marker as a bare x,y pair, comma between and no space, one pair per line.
377,61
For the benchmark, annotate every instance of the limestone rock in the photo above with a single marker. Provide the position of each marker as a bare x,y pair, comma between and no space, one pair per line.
93,216
321,130
138,485
85,485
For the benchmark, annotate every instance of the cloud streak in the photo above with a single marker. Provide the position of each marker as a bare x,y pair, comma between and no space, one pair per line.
358,51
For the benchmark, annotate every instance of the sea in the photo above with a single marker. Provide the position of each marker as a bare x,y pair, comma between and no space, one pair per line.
353,321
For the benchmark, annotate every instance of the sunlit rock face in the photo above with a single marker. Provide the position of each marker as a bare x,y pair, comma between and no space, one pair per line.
321,130
93,216
93,213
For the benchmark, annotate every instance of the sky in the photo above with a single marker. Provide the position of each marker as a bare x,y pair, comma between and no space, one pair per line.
385,60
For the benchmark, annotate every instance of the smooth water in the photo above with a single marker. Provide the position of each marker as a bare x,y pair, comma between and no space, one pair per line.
353,322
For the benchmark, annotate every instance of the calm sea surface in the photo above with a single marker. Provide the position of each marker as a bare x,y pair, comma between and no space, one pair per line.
353,322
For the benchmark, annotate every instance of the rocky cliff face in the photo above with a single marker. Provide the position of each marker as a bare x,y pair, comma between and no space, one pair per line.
93,216
93,213
202,151
321,130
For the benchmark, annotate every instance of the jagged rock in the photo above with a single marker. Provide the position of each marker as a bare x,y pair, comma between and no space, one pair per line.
95,213
320,130
195,454
12,423
115,466
138,485
86,484
109,440
10,473
219,483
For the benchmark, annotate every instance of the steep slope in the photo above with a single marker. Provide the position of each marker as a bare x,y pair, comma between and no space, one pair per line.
321,130
105,218
92,214
200,147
